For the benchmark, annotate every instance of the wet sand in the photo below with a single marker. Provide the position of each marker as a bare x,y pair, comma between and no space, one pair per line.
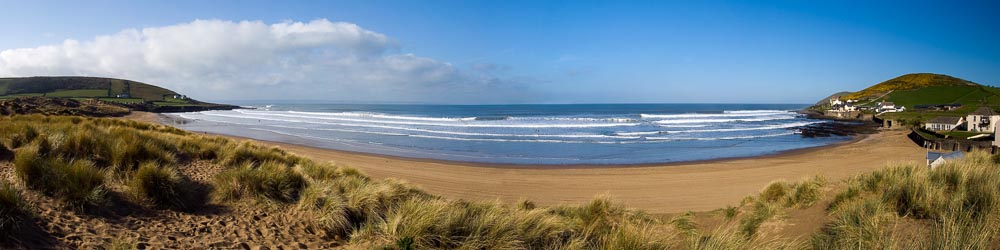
656,188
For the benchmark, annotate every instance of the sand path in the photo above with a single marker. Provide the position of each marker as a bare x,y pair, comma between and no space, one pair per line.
666,188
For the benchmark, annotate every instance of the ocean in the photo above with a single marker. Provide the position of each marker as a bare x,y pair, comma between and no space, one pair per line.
525,134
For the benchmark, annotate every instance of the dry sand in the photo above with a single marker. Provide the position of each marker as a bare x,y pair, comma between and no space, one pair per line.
662,188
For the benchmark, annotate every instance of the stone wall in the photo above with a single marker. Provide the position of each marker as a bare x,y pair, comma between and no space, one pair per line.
952,144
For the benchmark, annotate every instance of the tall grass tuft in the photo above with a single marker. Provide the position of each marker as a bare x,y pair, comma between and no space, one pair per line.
269,181
162,187
247,153
13,211
77,182
760,212
327,208
637,235
861,224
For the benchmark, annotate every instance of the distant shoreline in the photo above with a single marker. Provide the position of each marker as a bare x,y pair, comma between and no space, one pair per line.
657,188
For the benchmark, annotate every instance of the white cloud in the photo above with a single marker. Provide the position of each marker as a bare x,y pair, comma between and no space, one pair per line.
218,59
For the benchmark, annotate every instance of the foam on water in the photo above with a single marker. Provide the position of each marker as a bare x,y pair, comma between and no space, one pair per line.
525,134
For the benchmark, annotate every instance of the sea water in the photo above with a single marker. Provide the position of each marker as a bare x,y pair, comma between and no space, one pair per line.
525,134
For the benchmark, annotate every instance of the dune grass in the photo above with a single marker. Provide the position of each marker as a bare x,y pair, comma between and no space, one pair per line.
13,211
955,206
270,181
163,187
77,182
960,199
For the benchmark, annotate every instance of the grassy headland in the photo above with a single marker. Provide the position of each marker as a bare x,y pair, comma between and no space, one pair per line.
91,167
922,89
125,93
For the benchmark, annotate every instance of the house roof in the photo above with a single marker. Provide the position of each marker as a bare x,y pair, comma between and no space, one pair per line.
933,156
945,120
983,111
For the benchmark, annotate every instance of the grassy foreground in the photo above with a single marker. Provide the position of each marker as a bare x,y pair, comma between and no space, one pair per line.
93,164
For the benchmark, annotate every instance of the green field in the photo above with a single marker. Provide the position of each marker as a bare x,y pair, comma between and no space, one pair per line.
25,94
174,104
79,93
174,100
118,87
970,97
123,100
966,95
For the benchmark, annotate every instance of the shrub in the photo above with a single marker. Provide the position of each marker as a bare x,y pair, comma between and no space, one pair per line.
269,181
161,187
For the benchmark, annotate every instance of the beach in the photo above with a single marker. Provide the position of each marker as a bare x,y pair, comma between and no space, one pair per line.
655,188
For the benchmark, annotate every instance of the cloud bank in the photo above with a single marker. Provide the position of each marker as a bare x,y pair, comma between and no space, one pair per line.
217,59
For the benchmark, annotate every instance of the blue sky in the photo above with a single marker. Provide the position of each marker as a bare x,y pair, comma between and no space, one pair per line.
557,51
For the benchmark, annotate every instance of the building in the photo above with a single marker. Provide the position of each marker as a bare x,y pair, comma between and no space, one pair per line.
938,107
849,107
889,107
982,120
935,159
944,123
996,138
835,101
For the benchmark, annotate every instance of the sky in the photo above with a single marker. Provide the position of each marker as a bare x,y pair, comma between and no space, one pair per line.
497,52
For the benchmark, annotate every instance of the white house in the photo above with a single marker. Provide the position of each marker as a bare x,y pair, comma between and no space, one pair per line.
835,101
849,107
944,123
935,159
889,107
982,120
996,136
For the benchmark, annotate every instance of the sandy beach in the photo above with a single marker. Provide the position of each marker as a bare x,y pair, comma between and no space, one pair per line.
655,188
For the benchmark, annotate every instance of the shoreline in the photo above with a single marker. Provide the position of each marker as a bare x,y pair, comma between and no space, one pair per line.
657,188
792,152
159,118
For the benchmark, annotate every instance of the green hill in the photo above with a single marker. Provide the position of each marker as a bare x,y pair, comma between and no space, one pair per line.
914,91
910,82
132,94
71,86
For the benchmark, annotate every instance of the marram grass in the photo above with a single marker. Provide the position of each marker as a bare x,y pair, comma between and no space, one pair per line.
73,159
13,211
